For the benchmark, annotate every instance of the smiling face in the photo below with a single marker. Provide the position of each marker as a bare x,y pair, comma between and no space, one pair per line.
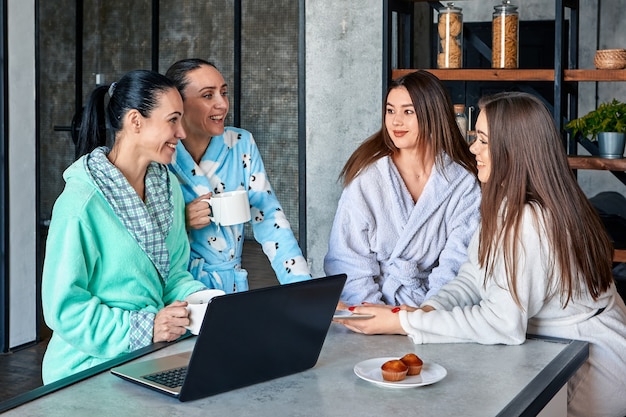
480,148
163,129
400,119
206,102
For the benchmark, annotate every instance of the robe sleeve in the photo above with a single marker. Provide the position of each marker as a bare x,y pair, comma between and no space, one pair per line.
465,311
349,249
70,308
273,230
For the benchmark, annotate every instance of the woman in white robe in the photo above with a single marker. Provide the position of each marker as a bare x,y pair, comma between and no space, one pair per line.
410,202
540,262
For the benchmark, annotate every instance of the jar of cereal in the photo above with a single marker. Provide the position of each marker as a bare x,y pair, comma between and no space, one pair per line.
450,28
505,36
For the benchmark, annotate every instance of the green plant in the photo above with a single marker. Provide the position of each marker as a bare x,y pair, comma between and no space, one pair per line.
608,117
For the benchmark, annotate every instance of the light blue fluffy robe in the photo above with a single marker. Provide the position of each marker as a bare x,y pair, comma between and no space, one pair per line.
393,250
233,162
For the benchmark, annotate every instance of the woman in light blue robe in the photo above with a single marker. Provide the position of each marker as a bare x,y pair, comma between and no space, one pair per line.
213,159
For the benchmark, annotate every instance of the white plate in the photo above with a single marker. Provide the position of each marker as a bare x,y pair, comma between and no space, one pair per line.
347,314
369,370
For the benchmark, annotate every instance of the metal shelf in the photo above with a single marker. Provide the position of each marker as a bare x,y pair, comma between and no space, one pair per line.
569,75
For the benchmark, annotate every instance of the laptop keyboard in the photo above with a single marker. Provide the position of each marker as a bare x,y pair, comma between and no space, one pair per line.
171,378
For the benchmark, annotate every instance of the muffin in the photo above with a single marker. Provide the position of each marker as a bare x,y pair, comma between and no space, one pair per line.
413,362
394,370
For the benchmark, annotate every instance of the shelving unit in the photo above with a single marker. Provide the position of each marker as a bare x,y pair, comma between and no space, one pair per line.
590,162
565,76
564,69
595,163
569,75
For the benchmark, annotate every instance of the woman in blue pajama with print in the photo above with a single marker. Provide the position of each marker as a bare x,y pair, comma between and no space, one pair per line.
214,159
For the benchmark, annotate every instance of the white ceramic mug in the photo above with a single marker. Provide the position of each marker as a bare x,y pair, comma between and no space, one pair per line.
196,306
229,208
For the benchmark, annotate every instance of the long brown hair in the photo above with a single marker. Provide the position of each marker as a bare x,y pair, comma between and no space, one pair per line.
529,166
436,124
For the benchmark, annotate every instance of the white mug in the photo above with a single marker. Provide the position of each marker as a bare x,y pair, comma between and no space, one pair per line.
229,208
196,306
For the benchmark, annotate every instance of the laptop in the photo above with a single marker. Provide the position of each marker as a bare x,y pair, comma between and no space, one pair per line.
247,338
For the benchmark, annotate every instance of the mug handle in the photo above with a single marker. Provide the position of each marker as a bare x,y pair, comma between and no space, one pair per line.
209,202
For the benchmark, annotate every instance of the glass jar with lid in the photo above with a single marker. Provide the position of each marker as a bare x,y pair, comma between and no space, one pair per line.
505,36
461,119
450,28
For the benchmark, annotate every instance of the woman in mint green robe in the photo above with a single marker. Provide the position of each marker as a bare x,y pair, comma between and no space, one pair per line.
117,252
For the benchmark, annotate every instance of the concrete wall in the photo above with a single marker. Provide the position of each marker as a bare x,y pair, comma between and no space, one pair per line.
343,102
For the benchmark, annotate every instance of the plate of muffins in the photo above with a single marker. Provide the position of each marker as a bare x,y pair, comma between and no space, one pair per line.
409,371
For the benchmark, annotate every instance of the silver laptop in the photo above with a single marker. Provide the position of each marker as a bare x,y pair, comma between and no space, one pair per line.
247,338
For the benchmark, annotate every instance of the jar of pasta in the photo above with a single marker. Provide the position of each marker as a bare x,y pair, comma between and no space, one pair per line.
450,28
505,36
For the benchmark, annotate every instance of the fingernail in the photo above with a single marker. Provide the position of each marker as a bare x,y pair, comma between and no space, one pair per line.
351,308
395,309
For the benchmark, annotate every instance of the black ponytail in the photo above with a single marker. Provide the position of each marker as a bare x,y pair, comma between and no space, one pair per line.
92,132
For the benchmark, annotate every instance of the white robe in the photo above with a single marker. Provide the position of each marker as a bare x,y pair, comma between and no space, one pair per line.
468,311
396,251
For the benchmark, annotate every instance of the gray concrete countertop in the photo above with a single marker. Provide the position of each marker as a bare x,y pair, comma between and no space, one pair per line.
480,381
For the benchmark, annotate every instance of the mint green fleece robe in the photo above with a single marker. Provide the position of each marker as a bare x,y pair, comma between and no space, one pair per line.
95,276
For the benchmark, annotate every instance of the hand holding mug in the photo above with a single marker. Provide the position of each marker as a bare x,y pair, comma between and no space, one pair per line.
197,212
196,307
229,208
170,322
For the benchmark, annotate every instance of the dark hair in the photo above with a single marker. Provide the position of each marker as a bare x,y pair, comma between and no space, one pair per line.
178,72
138,89
529,166
436,124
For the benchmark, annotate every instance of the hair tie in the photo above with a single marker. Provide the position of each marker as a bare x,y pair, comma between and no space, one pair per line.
112,89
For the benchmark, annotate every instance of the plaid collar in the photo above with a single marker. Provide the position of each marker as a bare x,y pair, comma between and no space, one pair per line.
149,223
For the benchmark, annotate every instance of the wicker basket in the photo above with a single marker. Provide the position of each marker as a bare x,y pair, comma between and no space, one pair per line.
610,59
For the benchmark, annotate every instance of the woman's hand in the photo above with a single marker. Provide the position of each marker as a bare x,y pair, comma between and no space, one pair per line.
385,320
170,322
197,212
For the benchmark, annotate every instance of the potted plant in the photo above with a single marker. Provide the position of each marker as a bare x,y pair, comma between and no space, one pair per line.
607,124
